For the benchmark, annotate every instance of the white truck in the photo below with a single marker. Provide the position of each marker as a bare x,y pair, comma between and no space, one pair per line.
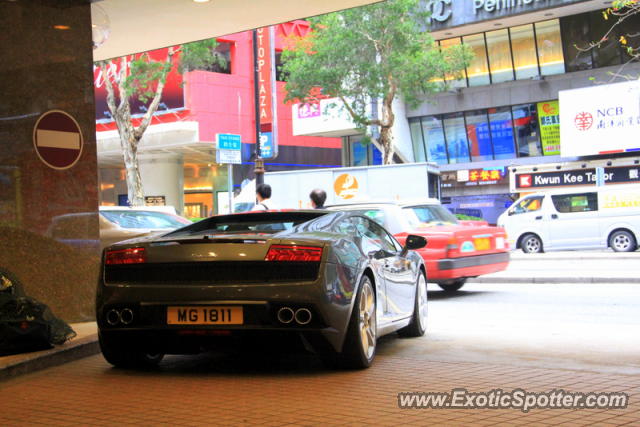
290,189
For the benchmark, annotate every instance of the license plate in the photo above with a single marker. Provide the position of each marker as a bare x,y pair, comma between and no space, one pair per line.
205,315
482,244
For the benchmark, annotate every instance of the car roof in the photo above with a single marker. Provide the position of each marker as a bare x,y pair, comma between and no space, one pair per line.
164,209
374,202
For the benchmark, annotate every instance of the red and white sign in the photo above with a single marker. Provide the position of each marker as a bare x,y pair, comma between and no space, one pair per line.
524,181
264,75
57,139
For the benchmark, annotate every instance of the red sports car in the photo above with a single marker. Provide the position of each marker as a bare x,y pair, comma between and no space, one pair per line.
456,250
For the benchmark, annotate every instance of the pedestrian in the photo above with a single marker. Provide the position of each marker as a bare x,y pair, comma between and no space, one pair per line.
318,197
263,194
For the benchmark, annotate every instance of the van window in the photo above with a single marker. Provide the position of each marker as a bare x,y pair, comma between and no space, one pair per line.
528,204
583,202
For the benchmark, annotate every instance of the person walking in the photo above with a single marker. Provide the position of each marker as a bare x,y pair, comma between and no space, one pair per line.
318,197
263,194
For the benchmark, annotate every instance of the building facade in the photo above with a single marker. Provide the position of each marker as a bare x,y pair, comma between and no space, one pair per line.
178,151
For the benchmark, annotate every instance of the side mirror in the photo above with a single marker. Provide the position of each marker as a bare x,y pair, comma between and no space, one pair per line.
413,242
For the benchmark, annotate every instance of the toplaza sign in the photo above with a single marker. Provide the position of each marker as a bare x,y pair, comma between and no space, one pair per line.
449,13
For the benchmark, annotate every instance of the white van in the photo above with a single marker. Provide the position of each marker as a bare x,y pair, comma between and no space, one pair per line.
585,218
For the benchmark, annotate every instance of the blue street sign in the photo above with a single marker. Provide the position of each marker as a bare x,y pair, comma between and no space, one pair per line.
228,141
266,145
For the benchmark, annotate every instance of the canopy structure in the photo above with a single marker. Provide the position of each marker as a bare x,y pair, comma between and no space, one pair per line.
141,25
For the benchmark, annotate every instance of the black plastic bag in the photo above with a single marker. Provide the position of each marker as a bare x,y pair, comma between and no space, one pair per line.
28,325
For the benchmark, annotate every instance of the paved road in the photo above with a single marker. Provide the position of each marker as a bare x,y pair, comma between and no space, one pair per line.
538,337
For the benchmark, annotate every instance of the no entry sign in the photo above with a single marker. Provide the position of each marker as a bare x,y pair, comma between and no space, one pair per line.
57,139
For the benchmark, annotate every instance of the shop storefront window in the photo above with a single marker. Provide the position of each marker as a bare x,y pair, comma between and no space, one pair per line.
456,136
478,135
501,127
525,127
478,69
524,51
359,154
454,80
500,62
417,141
434,136
549,47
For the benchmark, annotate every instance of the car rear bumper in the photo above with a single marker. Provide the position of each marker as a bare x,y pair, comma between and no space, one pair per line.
472,261
472,266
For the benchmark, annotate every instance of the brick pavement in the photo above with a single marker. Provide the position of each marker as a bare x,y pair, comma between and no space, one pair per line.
294,390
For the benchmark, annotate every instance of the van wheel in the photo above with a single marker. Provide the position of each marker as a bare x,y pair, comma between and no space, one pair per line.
622,241
531,244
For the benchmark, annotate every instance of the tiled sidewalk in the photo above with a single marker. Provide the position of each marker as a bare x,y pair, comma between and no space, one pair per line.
201,391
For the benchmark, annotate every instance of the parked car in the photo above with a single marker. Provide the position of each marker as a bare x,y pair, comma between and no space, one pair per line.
455,251
119,223
337,278
581,218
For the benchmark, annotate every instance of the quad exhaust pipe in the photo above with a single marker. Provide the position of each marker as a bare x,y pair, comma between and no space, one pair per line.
302,316
115,317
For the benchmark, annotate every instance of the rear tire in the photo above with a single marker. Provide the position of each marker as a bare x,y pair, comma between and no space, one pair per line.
359,347
531,244
623,241
452,287
418,325
122,355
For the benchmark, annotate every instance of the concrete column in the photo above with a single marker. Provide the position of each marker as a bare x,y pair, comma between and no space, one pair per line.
163,175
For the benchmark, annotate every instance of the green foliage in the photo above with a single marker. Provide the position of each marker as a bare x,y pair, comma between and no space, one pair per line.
370,52
144,76
200,55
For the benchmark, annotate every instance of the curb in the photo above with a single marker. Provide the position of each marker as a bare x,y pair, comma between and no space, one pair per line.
553,280
69,352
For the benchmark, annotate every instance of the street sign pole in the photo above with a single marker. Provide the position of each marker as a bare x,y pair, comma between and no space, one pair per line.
230,185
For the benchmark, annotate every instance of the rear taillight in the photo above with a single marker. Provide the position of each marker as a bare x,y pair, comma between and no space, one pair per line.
294,253
452,245
126,256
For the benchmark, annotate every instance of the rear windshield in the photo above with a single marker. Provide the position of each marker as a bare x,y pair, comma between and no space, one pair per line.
429,215
253,222
144,219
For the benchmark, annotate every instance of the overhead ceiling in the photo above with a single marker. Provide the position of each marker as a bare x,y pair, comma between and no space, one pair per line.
141,25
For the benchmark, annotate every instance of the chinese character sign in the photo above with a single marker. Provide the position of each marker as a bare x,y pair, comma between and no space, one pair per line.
549,114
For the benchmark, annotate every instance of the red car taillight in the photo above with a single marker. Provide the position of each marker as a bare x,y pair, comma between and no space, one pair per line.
294,253
126,256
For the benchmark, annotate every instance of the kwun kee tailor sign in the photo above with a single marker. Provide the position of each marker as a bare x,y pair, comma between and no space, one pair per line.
539,180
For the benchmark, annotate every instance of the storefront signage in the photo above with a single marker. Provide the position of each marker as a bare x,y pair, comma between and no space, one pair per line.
155,201
473,177
601,119
611,175
448,13
57,139
264,75
549,117
266,145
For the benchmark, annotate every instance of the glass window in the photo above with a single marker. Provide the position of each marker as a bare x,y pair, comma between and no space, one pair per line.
456,136
418,143
478,69
607,53
584,202
630,28
523,45
376,155
576,37
359,153
549,47
525,126
453,80
428,214
478,134
500,62
528,204
434,136
501,127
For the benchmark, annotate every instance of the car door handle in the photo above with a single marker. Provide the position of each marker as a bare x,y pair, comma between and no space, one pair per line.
554,216
539,217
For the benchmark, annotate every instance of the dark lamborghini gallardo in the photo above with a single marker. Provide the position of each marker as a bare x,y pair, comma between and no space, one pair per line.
337,279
